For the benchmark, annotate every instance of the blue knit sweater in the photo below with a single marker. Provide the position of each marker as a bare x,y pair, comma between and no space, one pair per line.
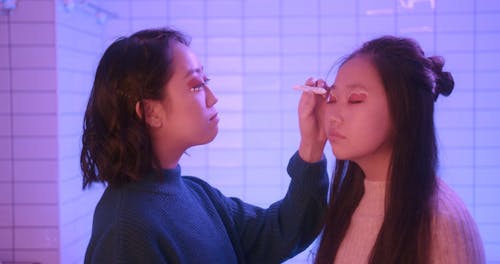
185,220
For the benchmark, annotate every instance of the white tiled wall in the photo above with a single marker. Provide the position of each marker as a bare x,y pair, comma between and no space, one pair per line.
80,43
254,51
29,223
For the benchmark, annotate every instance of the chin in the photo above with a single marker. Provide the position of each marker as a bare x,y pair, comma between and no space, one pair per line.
212,136
340,156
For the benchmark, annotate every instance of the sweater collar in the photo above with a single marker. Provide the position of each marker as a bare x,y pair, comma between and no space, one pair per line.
171,174
169,181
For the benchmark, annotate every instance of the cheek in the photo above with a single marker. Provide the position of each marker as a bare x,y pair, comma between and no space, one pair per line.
197,101
192,105
376,126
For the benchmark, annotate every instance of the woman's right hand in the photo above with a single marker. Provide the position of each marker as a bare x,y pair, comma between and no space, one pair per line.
311,109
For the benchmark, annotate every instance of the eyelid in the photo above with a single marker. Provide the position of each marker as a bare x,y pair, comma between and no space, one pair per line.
201,85
356,98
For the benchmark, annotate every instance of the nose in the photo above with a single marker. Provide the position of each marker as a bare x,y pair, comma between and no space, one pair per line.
335,120
333,115
210,99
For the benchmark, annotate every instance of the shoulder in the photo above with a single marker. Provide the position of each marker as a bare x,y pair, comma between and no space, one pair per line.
455,232
204,191
212,197
448,205
200,186
136,209
195,181
133,211
450,211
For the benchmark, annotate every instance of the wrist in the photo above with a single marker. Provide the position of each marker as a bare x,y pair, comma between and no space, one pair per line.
311,152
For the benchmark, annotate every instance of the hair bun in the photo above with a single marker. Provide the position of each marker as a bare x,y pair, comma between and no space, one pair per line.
445,83
444,80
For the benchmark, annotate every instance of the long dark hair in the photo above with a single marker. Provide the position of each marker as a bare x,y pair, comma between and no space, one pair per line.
116,146
412,83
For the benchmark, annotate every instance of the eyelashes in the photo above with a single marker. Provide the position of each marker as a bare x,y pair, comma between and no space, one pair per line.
197,88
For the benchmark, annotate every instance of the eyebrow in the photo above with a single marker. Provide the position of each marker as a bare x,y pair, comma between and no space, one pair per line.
352,86
196,70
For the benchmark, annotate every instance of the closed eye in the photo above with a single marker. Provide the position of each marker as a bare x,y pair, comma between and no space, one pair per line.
356,98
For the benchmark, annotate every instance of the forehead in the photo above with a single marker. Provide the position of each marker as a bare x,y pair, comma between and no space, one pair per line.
184,59
359,69
184,66
356,72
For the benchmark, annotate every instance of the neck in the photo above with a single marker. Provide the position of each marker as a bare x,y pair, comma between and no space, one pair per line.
169,161
167,147
376,166
168,155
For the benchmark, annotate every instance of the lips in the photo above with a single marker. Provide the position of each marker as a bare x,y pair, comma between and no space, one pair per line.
335,135
214,117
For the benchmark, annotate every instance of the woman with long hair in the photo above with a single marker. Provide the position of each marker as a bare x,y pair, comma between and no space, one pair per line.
386,203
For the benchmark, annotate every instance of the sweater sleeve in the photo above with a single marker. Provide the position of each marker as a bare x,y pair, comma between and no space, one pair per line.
288,226
455,235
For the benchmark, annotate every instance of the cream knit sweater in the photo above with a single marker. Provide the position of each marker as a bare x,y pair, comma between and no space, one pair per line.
455,237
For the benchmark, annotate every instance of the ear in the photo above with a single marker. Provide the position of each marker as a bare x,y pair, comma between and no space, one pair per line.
152,111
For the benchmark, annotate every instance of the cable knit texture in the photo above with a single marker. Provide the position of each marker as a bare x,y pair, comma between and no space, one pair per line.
455,237
185,220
